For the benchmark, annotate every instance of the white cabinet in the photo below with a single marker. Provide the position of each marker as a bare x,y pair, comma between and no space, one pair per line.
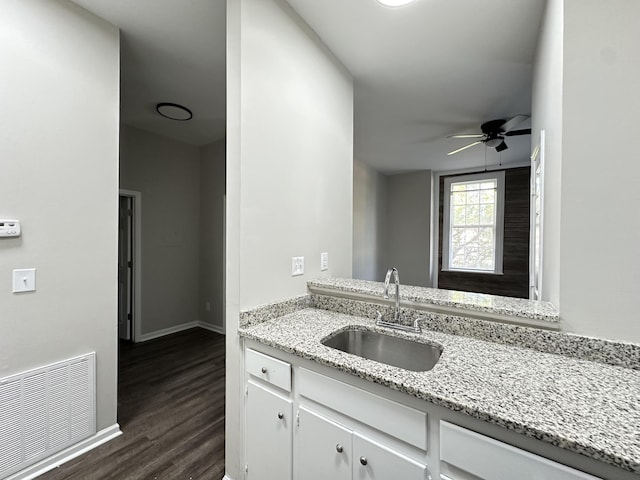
328,450
314,426
268,418
374,461
269,442
466,455
394,419
323,448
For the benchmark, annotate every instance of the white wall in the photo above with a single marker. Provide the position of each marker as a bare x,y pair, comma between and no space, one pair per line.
547,114
167,173
289,186
586,98
59,86
297,153
408,227
600,265
369,222
211,263
391,225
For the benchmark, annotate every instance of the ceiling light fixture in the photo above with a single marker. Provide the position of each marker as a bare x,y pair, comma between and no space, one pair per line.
395,3
174,111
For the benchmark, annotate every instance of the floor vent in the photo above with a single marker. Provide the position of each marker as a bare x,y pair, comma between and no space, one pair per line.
45,410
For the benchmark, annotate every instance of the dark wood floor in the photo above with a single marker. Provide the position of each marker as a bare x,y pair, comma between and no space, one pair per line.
170,410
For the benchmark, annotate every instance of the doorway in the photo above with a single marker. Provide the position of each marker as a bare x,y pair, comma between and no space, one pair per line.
128,265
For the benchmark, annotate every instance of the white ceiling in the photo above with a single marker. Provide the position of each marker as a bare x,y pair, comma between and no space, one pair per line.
171,51
421,72
431,69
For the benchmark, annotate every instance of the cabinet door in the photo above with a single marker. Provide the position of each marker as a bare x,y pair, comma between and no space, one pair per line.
323,448
372,460
268,434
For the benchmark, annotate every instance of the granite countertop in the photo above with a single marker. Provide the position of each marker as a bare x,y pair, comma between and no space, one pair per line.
478,302
578,405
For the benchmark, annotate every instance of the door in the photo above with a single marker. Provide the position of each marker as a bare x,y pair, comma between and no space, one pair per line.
323,448
269,434
373,461
125,268
537,213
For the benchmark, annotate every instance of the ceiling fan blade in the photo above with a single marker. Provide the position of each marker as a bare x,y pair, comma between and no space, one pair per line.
463,148
467,135
513,133
513,122
503,146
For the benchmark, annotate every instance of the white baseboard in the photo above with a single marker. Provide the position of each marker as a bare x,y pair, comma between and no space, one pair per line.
167,331
67,454
212,328
226,477
179,328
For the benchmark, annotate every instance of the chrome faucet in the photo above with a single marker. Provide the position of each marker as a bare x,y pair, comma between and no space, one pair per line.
397,316
396,277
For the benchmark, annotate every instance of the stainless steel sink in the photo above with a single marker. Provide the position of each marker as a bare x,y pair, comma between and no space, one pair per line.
398,352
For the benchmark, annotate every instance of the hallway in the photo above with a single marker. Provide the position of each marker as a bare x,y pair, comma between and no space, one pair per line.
170,410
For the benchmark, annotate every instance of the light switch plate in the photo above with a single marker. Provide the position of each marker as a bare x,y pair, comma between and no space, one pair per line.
297,266
24,280
324,261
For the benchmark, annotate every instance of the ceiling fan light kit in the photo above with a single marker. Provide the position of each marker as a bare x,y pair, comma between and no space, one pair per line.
494,133
493,142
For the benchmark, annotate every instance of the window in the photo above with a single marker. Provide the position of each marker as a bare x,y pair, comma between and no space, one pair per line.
473,222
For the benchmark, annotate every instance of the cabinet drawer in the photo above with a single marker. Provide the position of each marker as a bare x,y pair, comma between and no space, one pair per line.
399,421
269,369
485,458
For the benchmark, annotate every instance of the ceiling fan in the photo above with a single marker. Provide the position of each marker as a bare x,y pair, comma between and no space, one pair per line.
494,133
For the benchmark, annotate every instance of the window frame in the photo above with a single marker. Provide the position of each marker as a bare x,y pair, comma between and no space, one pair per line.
498,175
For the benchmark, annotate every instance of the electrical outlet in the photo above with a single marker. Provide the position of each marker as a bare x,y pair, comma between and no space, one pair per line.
207,306
324,261
297,266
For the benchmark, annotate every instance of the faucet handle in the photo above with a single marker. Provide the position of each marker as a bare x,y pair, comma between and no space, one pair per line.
387,279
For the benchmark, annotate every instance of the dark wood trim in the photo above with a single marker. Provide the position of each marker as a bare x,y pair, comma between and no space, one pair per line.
515,279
